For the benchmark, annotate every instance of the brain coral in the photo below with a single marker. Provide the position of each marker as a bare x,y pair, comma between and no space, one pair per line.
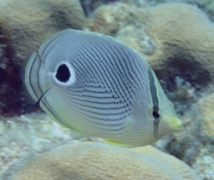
26,24
99,161
176,38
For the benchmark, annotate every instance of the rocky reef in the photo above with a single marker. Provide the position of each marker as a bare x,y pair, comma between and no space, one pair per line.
175,36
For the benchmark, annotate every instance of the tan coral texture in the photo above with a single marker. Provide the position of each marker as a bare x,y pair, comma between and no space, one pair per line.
176,38
26,24
184,39
206,108
88,161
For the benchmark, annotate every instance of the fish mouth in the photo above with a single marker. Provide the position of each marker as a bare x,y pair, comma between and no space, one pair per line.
172,123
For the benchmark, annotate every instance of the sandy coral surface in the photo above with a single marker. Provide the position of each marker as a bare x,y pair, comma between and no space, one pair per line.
88,161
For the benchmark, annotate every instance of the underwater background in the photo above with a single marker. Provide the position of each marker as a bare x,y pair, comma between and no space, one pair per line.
176,37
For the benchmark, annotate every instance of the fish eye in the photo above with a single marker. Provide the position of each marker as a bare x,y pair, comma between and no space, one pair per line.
155,113
64,74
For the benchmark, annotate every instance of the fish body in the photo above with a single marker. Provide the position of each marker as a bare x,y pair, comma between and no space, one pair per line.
98,86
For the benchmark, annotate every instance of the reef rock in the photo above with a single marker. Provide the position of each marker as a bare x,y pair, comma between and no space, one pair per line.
100,161
26,24
176,38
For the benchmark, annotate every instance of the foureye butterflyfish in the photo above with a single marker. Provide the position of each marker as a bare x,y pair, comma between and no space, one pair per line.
98,86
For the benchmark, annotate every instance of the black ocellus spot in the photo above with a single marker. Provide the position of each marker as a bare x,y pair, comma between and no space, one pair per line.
63,73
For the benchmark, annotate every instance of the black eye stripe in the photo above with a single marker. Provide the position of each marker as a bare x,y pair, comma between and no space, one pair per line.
153,90
155,102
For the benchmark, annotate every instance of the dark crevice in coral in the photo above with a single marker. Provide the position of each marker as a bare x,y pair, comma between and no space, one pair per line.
195,74
10,103
183,79
10,83
2,75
